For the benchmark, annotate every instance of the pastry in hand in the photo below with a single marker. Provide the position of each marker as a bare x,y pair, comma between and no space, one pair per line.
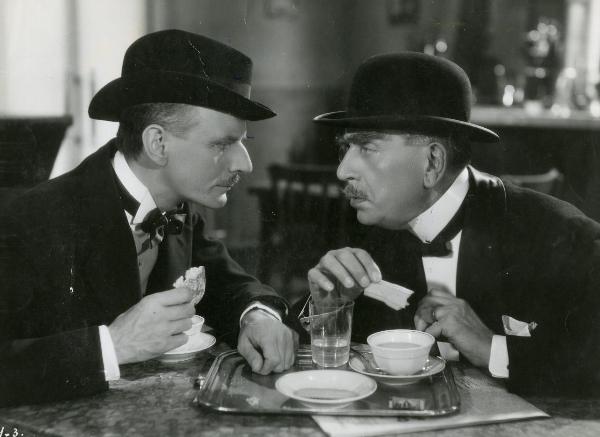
195,280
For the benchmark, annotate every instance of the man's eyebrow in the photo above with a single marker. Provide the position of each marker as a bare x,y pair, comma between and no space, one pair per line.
229,139
362,138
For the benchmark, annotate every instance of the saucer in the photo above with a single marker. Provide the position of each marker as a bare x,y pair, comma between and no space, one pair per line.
325,388
364,363
196,343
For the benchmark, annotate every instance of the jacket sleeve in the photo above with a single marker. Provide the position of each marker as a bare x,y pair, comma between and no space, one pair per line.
50,368
229,289
562,354
39,365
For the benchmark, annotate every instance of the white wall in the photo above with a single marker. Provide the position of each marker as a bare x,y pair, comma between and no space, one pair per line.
55,54
33,57
100,32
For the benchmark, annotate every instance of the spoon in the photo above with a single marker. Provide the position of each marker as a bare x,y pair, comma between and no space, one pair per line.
366,357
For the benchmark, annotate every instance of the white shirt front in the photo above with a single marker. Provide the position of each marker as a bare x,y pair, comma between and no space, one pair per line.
440,272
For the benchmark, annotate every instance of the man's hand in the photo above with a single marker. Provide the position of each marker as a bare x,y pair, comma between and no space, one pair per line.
353,268
441,313
266,343
153,326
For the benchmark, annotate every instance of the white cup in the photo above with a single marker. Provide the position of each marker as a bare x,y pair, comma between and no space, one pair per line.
400,351
197,323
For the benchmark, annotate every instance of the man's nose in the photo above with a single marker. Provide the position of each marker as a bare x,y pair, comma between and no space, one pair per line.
240,160
345,170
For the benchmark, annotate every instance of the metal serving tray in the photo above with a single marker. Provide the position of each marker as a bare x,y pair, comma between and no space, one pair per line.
231,386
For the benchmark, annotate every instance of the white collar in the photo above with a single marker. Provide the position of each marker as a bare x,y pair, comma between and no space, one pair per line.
432,221
135,187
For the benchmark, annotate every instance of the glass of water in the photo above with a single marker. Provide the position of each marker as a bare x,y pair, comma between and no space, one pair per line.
330,330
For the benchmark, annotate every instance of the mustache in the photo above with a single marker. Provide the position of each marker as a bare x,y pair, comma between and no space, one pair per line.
350,191
231,181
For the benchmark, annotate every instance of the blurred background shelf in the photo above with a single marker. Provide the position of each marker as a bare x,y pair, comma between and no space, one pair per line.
501,117
534,144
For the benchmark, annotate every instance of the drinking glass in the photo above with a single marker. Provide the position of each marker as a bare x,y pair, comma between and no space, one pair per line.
330,330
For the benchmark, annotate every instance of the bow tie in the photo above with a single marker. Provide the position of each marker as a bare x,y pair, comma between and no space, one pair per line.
441,245
164,222
438,248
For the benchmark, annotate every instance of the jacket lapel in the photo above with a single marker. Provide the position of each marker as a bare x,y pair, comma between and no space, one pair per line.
112,271
110,261
480,271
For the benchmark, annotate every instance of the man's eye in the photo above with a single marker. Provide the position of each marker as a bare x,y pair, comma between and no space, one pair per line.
220,147
367,148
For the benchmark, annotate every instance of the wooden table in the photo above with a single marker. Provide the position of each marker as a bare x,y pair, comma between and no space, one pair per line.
156,399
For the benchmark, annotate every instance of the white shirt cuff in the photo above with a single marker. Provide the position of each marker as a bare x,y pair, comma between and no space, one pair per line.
498,366
109,355
260,306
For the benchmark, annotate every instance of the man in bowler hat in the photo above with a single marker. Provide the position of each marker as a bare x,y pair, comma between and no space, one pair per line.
90,258
504,277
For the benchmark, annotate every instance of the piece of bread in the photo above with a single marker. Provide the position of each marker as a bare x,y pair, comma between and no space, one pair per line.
195,280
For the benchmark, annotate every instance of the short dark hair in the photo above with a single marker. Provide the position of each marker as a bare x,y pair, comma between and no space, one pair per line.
173,117
459,148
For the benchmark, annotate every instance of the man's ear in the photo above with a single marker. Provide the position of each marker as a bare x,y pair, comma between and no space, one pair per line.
153,139
437,161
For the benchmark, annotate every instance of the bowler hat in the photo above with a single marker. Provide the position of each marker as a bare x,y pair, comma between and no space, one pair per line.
174,66
412,91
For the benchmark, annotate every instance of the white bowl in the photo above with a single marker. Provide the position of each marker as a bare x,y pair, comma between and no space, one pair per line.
400,351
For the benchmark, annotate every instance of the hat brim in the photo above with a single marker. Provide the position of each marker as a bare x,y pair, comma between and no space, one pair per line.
421,123
170,87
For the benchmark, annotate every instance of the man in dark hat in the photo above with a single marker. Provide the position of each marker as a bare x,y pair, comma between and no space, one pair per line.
508,278
90,258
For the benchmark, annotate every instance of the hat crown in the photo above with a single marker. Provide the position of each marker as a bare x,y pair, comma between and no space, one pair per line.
410,85
174,66
409,91
177,51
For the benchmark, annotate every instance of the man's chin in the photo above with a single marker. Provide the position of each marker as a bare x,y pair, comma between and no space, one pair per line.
220,202
370,220
365,218
213,202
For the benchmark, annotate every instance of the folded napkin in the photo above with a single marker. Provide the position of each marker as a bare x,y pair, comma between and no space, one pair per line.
393,295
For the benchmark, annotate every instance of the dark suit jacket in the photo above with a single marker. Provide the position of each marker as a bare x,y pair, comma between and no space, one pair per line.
522,254
68,264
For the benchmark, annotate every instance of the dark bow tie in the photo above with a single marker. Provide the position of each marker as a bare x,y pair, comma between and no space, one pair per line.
441,245
438,248
165,222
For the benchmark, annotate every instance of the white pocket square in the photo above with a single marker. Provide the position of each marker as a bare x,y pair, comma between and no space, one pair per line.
517,328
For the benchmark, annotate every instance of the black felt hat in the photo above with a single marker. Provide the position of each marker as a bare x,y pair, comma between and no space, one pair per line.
411,91
174,66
